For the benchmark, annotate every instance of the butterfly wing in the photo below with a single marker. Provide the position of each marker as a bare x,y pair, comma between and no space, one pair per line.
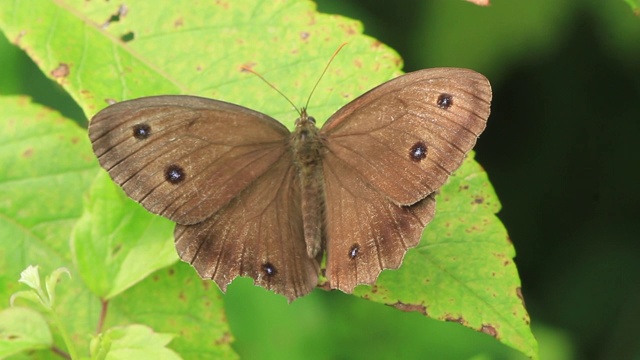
185,157
406,136
386,153
259,234
366,232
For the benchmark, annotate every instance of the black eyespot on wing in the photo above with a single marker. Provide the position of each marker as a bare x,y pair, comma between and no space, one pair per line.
353,251
418,151
445,101
174,174
141,131
269,270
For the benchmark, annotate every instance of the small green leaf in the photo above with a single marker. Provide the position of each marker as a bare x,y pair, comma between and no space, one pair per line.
52,280
23,329
28,295
116,243
99,347
31,277
134,342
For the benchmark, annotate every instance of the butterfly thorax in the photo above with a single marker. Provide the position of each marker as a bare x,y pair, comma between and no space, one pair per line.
305,144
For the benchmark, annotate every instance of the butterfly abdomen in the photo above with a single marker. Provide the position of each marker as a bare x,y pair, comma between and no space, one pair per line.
306,147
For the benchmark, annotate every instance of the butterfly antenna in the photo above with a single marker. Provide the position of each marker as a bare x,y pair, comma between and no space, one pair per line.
246,68
323,72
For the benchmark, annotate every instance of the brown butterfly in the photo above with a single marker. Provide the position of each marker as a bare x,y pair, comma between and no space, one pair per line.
252,199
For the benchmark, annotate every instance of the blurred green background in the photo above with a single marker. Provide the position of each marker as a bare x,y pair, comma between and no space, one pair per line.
560,150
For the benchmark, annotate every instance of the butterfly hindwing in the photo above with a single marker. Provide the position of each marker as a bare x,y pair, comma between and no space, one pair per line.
366,232
258,234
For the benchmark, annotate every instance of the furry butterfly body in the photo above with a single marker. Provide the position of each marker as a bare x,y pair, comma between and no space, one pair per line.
250,198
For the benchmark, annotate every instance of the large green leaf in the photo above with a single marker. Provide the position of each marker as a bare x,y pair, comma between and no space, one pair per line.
102,51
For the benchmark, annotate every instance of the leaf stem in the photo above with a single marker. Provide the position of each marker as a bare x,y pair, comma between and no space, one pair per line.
103,315
63,354
73,354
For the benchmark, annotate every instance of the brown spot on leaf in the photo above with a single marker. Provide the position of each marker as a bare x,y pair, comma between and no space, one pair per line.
226,338
86,93
18,38
247,67
479,200
304,35
471,230
488,329
450,318
349,29
178,23
410,307
222,4
27,153
171,271
62,71
519,295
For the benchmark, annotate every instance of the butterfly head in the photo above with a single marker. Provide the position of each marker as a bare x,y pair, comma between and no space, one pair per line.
305,140
305,122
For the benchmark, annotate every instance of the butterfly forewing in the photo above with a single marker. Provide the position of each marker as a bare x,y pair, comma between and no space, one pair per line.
185,157
258,234
406,136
